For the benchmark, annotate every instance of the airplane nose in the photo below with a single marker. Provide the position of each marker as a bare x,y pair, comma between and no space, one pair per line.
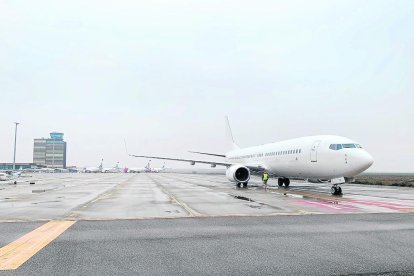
369,160
365,160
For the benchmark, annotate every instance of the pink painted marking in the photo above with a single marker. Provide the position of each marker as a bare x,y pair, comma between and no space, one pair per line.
326,205
392,206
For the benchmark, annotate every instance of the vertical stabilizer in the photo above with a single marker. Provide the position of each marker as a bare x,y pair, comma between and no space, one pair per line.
229,136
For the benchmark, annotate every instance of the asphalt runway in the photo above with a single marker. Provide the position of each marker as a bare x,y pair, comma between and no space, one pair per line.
380,244
201,224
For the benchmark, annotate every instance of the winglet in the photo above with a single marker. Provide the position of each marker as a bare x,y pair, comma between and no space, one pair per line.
126,149
229,135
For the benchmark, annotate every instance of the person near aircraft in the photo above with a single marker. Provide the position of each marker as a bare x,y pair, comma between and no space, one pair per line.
265,178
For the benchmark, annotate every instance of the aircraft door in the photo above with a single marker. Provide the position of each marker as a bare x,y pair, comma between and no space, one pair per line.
314,151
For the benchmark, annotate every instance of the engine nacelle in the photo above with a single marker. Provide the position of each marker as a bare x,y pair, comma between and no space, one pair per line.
238,174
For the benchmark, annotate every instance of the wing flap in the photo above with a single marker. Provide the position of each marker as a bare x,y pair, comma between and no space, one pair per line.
206,153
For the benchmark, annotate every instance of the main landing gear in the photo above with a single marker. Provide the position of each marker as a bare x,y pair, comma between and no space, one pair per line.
240,184
336,190
283,181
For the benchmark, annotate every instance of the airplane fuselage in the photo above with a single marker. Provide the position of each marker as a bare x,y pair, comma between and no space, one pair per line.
318,157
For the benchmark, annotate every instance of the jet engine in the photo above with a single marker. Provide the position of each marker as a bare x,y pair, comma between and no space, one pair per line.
238,174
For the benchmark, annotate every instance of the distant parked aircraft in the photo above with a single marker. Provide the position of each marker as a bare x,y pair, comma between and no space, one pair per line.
157,170
115,169
145,169
94,169
9,175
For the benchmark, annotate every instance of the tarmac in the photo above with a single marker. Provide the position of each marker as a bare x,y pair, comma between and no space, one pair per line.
170,223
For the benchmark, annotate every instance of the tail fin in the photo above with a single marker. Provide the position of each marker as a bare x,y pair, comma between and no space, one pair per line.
101,165
229,136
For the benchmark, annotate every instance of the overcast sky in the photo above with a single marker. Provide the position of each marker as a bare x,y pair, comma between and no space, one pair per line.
163,74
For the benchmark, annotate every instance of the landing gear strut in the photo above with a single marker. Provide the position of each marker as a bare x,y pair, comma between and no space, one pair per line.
336,190
240,184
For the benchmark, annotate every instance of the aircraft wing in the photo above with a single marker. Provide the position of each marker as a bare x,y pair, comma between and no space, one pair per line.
191,161
253,169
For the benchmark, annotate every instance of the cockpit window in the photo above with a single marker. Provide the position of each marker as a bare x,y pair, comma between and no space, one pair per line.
349,146
344,146
335,146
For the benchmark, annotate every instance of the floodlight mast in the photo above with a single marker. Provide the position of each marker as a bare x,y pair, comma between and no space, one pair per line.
15,140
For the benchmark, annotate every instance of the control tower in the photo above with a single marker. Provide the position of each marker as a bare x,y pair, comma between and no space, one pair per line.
50,152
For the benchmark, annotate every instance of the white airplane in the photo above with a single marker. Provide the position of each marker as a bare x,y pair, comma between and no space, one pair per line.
322,158
4,176
94,169
146,169
9,175
115,169
157,170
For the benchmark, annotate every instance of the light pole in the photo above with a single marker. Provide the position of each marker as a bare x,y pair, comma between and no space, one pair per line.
53,153
15,140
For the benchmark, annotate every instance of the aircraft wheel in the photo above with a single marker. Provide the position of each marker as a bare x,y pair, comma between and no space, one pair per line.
245,185
287,182
336,190
238,185
280,182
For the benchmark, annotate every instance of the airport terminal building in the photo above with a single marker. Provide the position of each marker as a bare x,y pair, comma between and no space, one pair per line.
19,166
50,152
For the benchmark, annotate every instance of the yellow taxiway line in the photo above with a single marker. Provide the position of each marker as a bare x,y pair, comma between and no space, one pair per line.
16,253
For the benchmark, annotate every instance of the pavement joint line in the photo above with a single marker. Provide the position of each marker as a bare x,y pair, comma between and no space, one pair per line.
73,213
13,255
276,214
191,211
232,194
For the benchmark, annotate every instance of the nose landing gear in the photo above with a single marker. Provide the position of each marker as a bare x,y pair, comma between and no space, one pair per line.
336,190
